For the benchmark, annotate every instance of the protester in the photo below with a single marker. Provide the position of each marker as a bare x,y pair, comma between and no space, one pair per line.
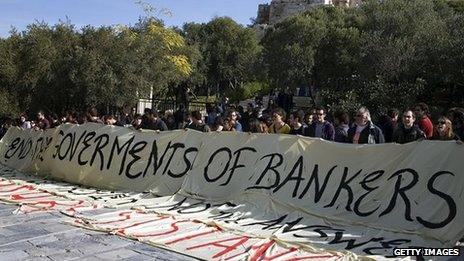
444,130
180,116
363,130
342,121
211,114
309,117
54,120
184,96
110,120
218,124
279,126
256,113
197,123
82,118
7,123
246,116
388,124
456,116
301,113
284,99
408,131
320,128
137,122
154,122
269,110
42,123
71,117
425,124
125,118
219,109
92,116
267,119
297,127
224,104
169,120
23,122
258,126
145,116
234,116
228,125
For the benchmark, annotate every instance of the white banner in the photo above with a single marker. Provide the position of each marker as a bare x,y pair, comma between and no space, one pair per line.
103,156
320,197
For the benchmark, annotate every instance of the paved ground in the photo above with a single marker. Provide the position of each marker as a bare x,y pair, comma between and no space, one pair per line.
42,236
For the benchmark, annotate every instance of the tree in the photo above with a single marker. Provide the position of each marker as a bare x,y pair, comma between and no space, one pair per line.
290,49
228,50
457,5
337,57
9,74
57,68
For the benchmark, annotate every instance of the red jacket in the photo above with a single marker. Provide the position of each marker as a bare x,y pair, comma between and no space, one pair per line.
425,124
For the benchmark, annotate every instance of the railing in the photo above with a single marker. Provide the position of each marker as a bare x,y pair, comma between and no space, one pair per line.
304,103
166,104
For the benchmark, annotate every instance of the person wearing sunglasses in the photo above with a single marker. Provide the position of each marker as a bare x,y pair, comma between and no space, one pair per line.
408,131
233,115
363,130
320,127
444,130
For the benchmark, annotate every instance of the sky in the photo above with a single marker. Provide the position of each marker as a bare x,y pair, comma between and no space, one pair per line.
20,13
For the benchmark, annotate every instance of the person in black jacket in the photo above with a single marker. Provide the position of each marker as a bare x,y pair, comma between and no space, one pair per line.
197,123
320,127
297,127
154,122
364,131
408,131
8,122
388,124
342,121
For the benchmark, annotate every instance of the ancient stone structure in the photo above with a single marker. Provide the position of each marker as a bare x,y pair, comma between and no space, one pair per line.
277,10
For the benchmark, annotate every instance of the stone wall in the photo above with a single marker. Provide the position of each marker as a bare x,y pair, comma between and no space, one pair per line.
278,10
263,14
281,9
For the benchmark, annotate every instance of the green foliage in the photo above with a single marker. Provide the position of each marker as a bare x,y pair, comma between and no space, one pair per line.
57,68
457,5
290,48
248,91
385,54
7,107
228,50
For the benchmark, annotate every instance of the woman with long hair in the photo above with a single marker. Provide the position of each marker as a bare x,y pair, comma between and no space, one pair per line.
444,130
279,126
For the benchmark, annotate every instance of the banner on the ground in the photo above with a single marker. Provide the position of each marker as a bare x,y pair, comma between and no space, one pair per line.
315,194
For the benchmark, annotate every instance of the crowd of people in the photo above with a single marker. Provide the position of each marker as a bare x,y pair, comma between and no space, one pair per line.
400,127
